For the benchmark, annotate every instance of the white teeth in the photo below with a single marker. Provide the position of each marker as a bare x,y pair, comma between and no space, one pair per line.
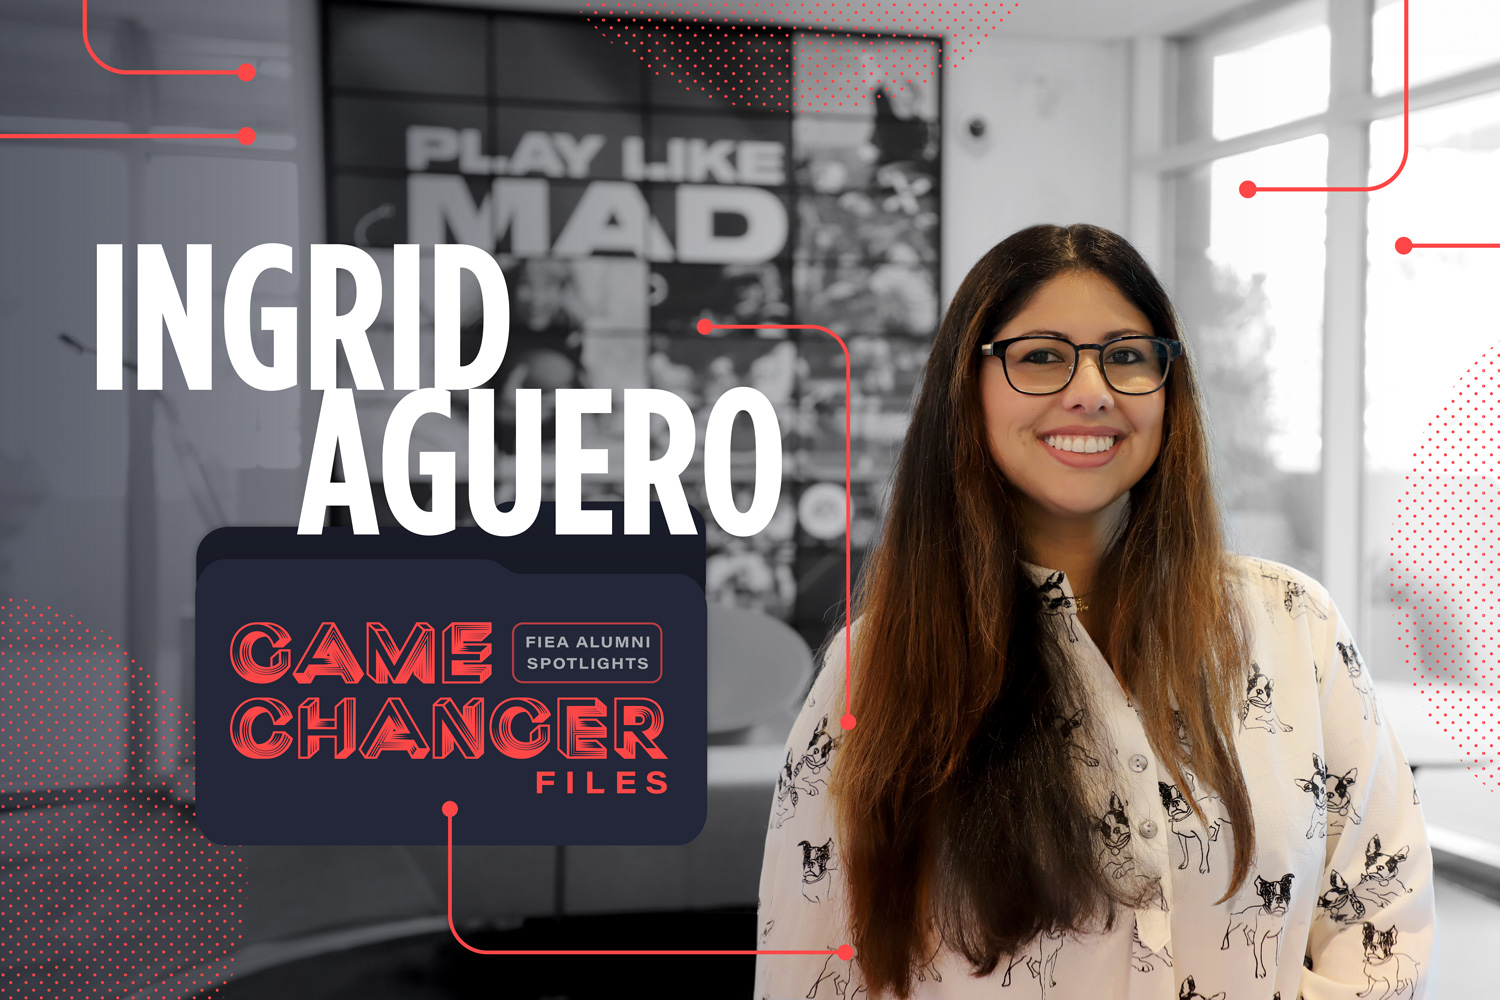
1083,445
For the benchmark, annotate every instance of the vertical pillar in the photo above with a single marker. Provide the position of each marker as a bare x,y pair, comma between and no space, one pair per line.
1343,456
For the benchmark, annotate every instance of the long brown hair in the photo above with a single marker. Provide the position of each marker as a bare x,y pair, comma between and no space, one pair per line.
959,809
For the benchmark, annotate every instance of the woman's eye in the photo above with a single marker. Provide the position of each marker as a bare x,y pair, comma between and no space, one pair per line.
1041,357
1125,356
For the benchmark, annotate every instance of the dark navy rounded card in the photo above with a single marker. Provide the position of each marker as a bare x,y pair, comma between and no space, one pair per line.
347,686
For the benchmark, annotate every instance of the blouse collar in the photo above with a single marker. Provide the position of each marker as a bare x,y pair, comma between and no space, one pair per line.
1044,577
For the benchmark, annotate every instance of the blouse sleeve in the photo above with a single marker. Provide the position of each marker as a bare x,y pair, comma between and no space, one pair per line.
801,898
1373,926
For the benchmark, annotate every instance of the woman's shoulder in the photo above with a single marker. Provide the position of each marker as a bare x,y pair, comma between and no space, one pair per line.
1285,592
831,668
1277,576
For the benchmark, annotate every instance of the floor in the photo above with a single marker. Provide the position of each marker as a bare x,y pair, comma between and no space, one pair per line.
432,967
1468,928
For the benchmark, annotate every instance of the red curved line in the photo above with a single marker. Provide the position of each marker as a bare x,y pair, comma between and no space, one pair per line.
1405,114
848,492
142,72
453,928
119,135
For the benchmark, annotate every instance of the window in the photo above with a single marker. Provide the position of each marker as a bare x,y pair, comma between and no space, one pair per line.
1247,276
1400,332
1448,37
1254,76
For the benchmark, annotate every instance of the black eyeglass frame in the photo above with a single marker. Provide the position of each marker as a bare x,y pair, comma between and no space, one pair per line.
996,349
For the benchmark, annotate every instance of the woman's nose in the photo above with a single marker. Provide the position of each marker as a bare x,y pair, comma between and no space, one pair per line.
1090,373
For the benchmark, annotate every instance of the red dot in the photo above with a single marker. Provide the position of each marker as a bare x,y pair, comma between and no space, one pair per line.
847,721
1247,189
450,808
246,72
1403,245
846,951
705,326
247,135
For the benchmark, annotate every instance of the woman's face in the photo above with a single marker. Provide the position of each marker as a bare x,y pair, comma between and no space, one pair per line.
1086,308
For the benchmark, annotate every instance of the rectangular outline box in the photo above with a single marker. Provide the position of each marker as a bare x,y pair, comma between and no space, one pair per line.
661,654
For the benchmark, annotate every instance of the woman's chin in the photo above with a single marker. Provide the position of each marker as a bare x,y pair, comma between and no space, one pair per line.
1072,507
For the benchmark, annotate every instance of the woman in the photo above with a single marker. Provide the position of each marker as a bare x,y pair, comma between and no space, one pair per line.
1095,756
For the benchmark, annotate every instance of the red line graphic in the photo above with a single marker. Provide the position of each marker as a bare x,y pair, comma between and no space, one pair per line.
245,71
245,135
705,327
1404,246
450,809
1249,189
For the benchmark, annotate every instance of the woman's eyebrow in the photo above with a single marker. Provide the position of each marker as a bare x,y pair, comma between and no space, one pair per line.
1127,332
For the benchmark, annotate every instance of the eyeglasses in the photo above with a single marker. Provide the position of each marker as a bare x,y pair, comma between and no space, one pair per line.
1040,366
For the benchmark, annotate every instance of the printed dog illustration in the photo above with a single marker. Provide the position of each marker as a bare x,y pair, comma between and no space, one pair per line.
1114,827
1184,825
1379,884
1257,712
1142,957
1040,957
1355,664
1339,901
1188,991
816,864
1317,785
836,973
1340,804
1298,601
929,968
1273,586
1056,602
1393,972
812,767
786,793
1264,920
1066,724
1161,895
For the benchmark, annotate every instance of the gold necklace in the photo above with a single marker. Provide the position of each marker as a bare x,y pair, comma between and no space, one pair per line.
1078,599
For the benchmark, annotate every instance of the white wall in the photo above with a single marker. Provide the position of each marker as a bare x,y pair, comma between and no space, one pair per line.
1054,149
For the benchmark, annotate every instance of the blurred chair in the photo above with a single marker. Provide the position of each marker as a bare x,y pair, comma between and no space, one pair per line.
758,670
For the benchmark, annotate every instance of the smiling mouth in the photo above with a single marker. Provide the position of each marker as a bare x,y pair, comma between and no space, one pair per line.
1080,444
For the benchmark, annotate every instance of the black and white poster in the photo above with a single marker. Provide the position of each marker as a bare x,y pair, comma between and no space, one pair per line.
625,199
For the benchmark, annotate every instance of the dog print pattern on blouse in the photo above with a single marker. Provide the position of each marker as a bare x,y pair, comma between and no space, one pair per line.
1257,712
1259,922
1341,875
1186,827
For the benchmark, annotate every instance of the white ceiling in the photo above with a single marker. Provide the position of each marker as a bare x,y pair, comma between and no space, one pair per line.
1091,19
1115,18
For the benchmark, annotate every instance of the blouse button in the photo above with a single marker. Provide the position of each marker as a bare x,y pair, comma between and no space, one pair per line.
1138,763
1147,828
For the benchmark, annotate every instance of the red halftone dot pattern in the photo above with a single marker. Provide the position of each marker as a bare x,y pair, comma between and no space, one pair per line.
106,884
842,74
730,51
1446,547
744,66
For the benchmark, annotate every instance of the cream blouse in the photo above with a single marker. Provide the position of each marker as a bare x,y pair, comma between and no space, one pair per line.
1339,903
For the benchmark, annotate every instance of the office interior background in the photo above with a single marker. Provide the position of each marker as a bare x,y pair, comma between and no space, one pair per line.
1326,353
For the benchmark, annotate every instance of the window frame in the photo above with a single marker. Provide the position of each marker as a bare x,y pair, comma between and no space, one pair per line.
1157,158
